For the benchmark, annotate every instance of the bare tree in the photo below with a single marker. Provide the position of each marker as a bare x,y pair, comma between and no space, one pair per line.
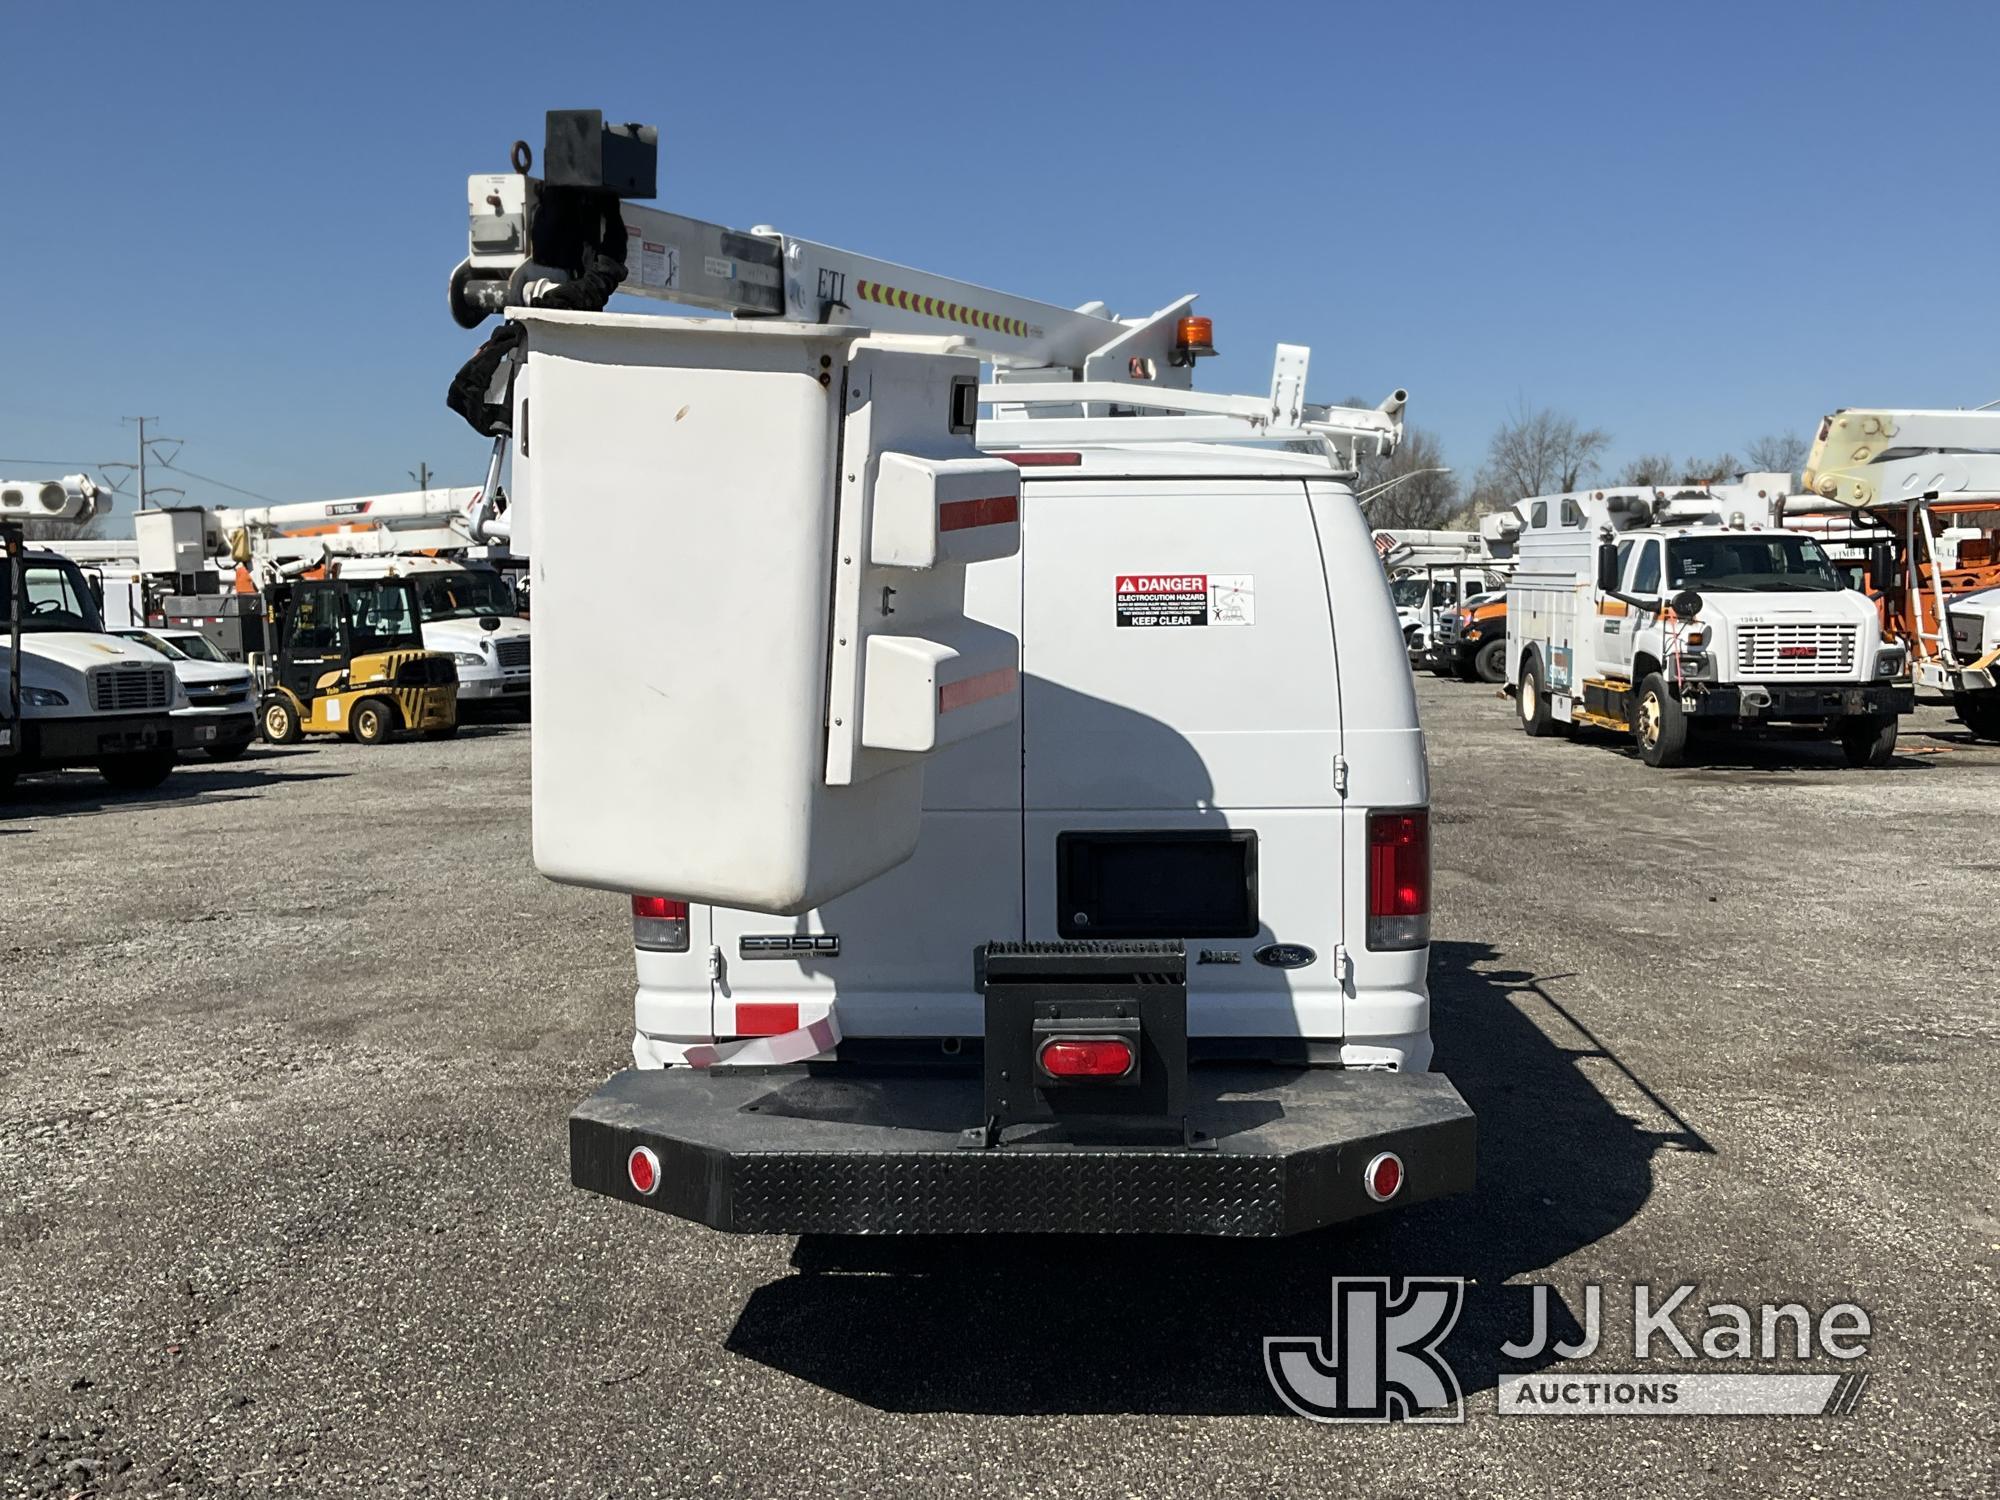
1542,453
1419,500
1777,453
47,529
1650,468
1722,469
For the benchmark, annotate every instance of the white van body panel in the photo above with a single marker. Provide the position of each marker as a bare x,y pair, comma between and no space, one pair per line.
1251,726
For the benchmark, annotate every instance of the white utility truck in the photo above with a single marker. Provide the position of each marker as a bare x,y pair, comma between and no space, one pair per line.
70,694
1649,611
1024,815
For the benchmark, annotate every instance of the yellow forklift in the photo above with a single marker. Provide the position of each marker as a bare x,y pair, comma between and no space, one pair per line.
347,657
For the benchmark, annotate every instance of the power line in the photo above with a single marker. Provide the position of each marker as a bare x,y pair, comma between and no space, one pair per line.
234,489
52,463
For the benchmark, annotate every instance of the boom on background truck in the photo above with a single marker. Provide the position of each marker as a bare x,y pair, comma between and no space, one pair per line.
1024,816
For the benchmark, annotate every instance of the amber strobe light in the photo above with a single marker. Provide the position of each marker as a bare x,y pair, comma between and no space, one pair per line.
1194,338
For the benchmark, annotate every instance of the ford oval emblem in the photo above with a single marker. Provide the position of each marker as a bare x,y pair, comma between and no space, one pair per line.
1285,955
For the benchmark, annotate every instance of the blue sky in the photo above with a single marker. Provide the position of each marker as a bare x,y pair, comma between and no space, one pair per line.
1689,224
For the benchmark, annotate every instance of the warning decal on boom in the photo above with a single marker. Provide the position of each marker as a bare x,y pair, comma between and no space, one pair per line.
1162,599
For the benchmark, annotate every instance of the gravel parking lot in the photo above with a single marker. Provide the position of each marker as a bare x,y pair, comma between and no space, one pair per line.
288,1046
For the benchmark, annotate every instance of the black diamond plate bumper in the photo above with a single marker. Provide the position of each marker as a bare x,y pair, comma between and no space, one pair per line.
840,1151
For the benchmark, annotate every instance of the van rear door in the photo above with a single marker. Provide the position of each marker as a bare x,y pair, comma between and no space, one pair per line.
1181,721
899,949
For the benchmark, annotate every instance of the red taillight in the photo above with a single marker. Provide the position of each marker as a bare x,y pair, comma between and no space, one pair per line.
1087,1057
1399,879
1383,1177
642,1170
659,924
1042,460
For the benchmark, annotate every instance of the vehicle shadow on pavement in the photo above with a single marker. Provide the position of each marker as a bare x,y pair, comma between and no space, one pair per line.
1053,1324
1778,755
67,794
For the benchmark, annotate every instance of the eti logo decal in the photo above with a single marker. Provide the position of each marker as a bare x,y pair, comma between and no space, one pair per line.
1382,1360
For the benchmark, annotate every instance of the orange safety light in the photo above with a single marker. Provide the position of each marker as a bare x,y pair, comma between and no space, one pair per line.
1194,338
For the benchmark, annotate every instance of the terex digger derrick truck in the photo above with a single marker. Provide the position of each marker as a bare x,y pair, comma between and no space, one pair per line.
1904,476
1024,814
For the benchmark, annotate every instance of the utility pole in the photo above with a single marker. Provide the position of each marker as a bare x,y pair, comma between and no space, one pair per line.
422,474
138,468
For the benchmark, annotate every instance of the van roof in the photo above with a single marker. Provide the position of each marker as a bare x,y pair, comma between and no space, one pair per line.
1158,460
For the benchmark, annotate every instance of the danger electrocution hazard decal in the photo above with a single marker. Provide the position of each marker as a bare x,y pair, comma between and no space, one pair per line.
1161,600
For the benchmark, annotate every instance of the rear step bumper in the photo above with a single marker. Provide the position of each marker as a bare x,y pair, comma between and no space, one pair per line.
837,1150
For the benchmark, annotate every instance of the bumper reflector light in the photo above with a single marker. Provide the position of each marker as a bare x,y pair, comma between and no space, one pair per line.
1087,1057
642,1170
1383,1177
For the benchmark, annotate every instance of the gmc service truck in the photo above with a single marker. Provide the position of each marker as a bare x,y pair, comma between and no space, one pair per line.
1650,612
1019,796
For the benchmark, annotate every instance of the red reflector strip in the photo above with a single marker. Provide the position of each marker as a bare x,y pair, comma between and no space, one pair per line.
957,515
1042,460
766,1019
970,690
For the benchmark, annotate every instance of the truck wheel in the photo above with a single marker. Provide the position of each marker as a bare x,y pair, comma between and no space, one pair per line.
280,722
226,752
1532,700
6,780
1979,712
1490,665
1868,740
139,772
372,721
1659,725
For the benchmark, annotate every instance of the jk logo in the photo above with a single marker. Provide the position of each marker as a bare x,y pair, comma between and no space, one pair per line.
1382,1359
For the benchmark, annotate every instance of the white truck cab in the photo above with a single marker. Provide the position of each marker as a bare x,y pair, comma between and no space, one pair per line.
1647,612
470,611
70,694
